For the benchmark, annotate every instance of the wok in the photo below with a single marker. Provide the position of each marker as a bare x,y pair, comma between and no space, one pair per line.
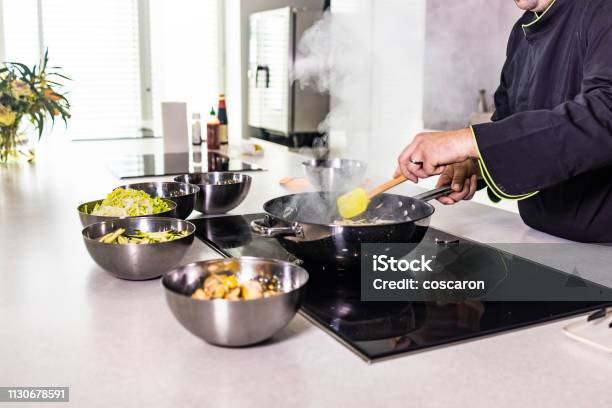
304,225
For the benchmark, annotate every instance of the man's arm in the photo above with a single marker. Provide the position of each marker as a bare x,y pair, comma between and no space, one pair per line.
577,134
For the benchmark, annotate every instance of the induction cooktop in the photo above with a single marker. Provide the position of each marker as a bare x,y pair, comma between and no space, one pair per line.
169,164
379,330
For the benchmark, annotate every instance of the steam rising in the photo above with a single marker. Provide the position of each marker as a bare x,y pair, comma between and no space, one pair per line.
334,56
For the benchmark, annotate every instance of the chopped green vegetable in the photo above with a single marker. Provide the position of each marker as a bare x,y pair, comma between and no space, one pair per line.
112,236
128,203
141,237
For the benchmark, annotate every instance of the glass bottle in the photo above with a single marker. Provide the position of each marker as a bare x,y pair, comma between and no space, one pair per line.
212,131
196,130
222,116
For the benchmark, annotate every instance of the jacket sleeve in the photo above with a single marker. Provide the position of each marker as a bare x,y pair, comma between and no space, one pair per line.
532,150
500,98
501,103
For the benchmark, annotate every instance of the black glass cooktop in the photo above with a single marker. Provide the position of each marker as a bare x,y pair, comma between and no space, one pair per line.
169,164
377,330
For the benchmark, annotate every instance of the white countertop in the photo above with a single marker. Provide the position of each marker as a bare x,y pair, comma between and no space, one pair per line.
65,322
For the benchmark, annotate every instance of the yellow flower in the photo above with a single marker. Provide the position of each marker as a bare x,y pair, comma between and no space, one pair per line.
20,89
7,116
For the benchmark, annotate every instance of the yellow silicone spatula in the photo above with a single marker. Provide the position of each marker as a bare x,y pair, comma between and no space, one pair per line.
356,201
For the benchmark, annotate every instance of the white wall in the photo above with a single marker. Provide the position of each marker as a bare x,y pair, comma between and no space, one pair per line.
397,84
386,103
233,68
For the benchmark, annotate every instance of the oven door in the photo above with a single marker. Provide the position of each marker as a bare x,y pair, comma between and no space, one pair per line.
270,53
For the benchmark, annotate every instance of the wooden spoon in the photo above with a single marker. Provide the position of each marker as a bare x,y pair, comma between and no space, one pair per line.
356,201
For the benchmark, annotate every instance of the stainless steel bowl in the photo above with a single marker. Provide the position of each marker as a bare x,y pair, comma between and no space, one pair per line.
88,219
183,194
335,174
138,261
220,192
234,323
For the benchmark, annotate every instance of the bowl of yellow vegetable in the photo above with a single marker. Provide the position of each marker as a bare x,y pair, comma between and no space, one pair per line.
235,302
138,248
125,203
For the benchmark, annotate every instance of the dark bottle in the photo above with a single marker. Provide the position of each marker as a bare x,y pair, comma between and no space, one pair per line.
482,105
222,115
212,131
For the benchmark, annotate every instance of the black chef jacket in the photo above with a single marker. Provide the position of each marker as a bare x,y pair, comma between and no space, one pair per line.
552,128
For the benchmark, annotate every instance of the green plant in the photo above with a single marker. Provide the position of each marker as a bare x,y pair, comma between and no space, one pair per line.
31,93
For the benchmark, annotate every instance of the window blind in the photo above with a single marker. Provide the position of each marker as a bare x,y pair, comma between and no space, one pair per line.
97,44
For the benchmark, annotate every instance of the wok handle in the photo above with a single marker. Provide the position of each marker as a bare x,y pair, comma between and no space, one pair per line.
260,228
433,194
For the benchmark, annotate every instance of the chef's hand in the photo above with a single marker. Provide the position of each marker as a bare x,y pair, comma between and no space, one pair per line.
463,178
430,153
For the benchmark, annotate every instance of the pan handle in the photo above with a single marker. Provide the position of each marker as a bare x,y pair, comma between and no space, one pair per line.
433,194
260,228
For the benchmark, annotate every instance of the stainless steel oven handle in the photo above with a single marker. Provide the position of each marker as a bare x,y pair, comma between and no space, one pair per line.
260,228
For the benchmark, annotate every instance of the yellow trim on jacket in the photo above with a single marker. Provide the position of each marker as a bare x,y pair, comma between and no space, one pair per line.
486,175
538,17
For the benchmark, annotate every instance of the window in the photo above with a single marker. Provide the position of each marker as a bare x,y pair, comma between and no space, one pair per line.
125,57
99,51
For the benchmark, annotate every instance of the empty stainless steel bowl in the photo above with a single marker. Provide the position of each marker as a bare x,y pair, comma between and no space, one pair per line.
87,218
220,192
183,194
335,174
138,261
234,323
